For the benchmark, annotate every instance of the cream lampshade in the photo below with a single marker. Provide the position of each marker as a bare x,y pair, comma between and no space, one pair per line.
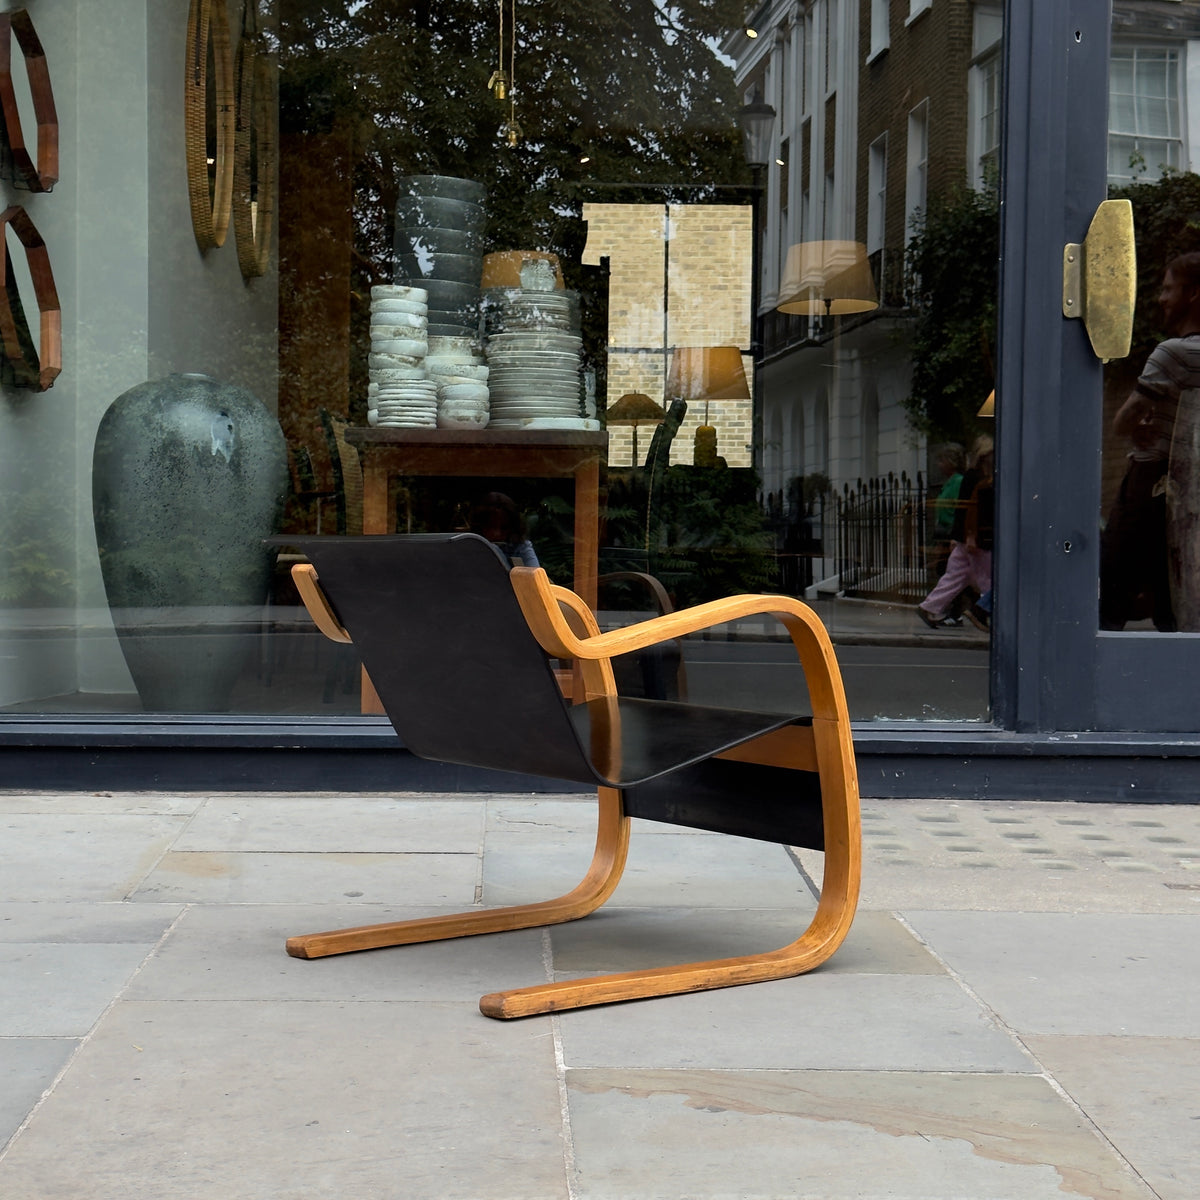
827,279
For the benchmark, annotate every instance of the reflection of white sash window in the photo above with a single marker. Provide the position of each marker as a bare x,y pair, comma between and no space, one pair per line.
881,33
1144,133
918,166
916,8
876,193
985,122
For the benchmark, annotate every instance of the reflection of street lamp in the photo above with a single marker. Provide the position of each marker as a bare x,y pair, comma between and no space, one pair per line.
757,121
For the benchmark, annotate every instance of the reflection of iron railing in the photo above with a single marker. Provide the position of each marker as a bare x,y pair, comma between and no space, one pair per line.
881,537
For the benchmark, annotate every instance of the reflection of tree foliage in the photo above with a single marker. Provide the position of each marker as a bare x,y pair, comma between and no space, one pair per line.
634,84
953,260
707,536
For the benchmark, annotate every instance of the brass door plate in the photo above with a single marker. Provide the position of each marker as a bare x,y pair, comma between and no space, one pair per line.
1100,279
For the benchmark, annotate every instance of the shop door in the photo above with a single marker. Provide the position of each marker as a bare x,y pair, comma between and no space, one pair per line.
1098,586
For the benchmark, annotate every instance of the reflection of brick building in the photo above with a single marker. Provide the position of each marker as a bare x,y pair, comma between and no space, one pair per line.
882,105
679,276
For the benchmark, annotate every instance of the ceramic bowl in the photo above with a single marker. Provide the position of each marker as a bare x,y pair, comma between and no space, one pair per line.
449,187
416,214
398,291
453,268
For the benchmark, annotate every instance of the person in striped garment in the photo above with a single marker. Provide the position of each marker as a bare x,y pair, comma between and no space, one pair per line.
1133,548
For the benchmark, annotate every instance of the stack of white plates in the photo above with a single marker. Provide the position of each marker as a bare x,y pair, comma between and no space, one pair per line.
509,309
398,392
458,368
533,352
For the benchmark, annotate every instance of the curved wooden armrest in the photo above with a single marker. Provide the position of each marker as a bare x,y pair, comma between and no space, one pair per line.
540,604
305,577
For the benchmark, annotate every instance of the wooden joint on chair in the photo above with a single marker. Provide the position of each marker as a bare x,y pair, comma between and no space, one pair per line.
793,746
304,575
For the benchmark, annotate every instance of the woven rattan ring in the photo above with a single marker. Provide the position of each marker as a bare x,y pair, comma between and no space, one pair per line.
255,156
211,196
18,344
43,175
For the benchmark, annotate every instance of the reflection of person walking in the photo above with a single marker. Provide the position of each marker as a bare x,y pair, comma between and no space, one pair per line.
970,561
1134,580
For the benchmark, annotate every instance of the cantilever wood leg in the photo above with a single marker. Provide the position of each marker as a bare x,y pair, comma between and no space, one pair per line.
608,862
825,933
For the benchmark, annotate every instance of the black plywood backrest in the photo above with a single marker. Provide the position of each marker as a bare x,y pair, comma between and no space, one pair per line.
440,632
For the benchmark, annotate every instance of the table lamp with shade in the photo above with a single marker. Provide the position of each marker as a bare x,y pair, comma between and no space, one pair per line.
827,279
707,373
634,408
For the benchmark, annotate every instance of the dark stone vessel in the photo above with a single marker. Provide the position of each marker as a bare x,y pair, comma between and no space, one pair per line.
188,476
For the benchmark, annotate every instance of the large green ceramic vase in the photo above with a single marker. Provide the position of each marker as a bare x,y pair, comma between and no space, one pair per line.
189,475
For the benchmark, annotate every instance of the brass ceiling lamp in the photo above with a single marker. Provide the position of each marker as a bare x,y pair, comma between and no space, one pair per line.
498,83
512,131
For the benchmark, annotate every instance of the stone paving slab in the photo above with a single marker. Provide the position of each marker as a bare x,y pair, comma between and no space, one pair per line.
128,803
1076,973
96,856
355,824
298,1101
1007,856
28,1067
633,939
106,923
221,952
60,991
660,1135
812,1022
1144,1093
223,877
706,871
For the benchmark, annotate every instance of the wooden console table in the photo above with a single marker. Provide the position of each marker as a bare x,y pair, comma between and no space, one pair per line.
545,454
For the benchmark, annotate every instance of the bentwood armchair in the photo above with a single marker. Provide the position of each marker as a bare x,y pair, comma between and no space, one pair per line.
459,647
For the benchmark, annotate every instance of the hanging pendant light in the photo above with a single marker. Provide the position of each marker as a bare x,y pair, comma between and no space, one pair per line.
513,133
498,82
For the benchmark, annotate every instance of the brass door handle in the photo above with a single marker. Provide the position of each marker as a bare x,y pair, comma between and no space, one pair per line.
1100,279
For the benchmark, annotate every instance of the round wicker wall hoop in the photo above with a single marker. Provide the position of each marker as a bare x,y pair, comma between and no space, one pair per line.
254,175
41,374
43,175
208,24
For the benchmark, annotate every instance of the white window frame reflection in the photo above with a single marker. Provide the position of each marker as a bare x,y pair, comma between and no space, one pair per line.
1145,112
881,28
917,170
877,155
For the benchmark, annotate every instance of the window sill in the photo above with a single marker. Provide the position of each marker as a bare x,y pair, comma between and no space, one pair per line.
877,54
912,18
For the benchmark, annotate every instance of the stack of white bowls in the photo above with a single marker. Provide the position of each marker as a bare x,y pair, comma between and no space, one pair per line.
457,366
398,392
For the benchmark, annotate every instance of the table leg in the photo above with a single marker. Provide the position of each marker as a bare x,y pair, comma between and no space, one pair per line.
587,531
375,500
375,520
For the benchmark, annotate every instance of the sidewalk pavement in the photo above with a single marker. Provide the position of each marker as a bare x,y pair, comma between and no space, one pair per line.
1013,1015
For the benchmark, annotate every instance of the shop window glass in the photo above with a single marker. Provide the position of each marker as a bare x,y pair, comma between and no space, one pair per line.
436,207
